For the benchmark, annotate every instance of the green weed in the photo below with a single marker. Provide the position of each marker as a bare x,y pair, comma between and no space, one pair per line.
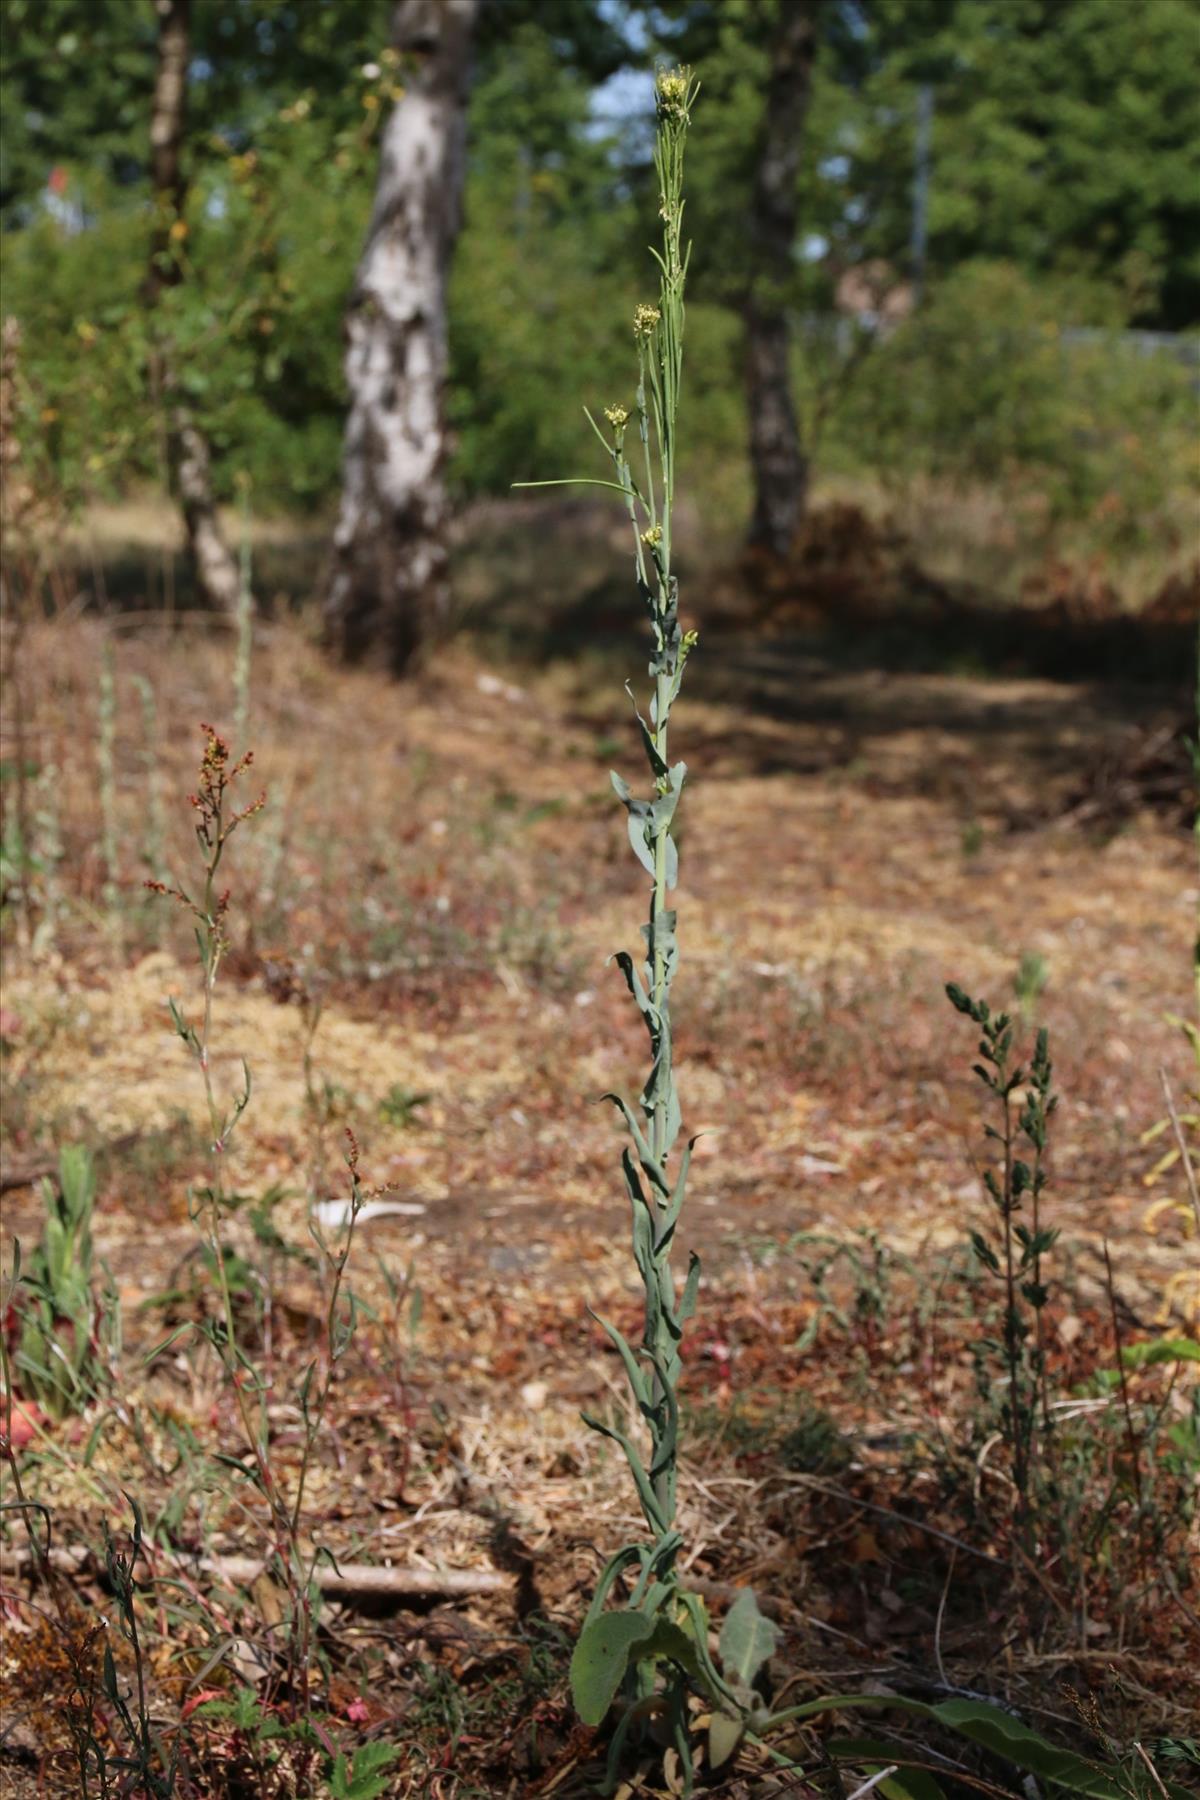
400,1106
65,1330
1030,981
648,1652
1024,1103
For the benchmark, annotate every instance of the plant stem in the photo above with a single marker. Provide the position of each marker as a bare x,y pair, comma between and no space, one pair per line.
1011,1344
1135,1458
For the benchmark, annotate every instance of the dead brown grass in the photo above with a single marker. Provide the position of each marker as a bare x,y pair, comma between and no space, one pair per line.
444,858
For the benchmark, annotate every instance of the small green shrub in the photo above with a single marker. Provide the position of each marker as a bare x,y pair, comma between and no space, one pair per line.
63,1327
987,385
364,1775
1030,981
400,1106
1016,1256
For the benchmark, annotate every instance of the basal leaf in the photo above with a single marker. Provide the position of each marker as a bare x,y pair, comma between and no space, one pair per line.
1005,1736
601,1658
725,1733
747,1639
1161,1350
877,1753
672,1641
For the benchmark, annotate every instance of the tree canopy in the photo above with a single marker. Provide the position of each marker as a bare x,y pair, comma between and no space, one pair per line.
1064,142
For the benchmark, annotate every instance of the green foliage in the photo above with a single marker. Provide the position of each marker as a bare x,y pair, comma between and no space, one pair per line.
1030,981
813,1441
400,1105
293,1562
244,1710
1024,1103
748,1641
74,82
146,1755
664,1628
537,292
870,1264
995,1731
1043,214
59,1350
1160,1350
364,1776
600,1661
985,385
278,197
1064,137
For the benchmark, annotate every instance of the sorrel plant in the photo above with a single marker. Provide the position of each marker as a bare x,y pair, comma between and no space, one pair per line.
217,818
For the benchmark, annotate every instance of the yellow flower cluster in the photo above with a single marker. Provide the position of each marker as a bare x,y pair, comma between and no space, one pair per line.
617,416
672,87
645,318
652,536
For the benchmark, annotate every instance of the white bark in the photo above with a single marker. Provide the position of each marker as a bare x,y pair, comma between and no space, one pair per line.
216,569
389,588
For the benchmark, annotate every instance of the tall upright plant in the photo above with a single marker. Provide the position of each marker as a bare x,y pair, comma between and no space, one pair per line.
655,1194
656,1648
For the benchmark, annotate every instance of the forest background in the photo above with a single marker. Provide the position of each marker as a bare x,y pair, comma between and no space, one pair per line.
1030,169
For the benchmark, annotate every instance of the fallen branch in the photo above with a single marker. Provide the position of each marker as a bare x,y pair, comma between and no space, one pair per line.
355,1581
348,1582
21,1175
43,1168
371,1581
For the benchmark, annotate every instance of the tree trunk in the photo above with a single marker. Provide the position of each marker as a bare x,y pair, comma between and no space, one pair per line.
190,464
389,589
779,464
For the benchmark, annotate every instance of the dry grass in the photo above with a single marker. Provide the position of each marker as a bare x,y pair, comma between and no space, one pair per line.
445,860
1004,546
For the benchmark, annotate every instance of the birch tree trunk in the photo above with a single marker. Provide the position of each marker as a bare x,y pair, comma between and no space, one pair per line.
777,457
388,591
190,463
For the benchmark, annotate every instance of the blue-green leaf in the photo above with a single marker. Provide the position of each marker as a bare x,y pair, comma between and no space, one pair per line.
601,1658
747,1639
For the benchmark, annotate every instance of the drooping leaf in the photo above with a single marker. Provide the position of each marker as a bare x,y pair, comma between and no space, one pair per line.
995,1730
671,1640
1160,1350
747,1639
876,1753
601,1658
636,1377
725,1733
1005,1736
639,842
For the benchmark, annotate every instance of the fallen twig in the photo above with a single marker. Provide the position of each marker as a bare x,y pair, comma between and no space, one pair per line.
349,1581
371,1581
22,1175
